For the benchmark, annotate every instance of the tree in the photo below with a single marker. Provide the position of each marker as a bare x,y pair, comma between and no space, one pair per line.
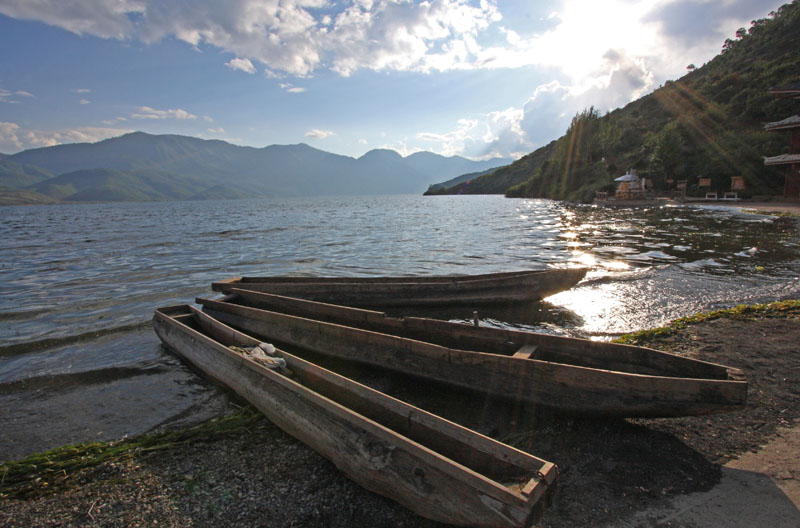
667,157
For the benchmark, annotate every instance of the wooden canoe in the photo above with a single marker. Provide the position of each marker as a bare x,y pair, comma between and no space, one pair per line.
570,374
432,466
518,286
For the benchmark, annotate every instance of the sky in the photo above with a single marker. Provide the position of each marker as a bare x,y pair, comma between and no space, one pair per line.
476,78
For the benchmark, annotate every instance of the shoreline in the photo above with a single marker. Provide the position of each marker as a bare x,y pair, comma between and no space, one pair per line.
241,470
789,208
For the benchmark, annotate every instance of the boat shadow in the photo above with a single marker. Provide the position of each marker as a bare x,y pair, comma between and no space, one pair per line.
610,468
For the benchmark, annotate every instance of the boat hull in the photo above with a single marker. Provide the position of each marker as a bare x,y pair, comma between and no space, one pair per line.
436,468
474,290
569,374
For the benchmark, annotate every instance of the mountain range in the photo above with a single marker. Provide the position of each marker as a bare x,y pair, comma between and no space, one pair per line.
145,167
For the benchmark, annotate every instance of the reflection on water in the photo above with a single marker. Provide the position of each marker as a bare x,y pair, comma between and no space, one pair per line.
652,265
78,283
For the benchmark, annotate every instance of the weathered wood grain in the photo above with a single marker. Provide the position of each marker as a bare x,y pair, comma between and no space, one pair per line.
566,373
401,291
434,467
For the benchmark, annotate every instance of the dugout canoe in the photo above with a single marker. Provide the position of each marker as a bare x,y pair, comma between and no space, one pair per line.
569,374
431,466
516,286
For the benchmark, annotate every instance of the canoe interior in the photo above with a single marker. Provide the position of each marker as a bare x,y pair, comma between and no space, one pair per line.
517,471
627,381
530,345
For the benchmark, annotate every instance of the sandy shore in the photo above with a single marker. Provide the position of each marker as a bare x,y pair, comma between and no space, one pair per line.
738,469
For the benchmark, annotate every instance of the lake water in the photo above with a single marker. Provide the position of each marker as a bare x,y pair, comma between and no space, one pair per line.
78,284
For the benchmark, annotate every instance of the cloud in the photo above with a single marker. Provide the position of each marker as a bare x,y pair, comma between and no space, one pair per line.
408,36
318,134
693,22
241,64
298,37
9,142
14,138
81,90
92,17
145,112
458,141
84,101
7,96
290,88
695,30
546,114
291,36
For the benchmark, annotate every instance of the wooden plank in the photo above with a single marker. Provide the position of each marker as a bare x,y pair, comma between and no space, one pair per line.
525,352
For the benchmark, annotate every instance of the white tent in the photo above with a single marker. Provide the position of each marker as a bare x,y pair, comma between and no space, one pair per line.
627,178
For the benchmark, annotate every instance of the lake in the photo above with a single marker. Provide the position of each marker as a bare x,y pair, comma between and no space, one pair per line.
78,284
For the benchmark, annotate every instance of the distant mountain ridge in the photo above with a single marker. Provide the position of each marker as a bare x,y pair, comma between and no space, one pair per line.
140,166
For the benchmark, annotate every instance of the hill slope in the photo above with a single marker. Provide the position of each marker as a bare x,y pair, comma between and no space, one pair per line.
708,123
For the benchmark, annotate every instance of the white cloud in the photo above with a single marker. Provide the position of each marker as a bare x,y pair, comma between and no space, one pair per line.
589,53
7,96
546,114
315,133
81,90
244,65
290,88
93,17
401,147
9,142
219,130
296,37
146,112
426,36
14,138
458,141
291,36
84,101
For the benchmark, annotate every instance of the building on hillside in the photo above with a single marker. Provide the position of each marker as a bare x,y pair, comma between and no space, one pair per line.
630,186
791,186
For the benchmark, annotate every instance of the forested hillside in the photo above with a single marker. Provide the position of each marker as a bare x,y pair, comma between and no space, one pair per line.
709,123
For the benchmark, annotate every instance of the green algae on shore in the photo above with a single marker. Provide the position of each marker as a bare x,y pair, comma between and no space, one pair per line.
53,470
742,311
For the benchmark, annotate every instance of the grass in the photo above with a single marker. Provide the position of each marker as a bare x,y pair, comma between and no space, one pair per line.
55,470
775,309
